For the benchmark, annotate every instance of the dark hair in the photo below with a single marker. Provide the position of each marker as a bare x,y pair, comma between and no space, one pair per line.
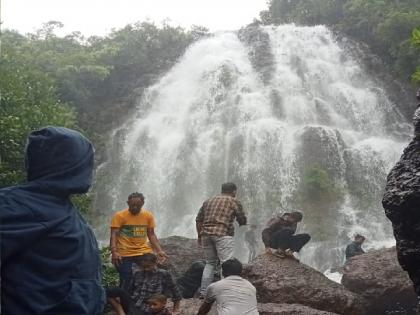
359,236
228,188
158,297
136,195
148,257
231,267
297,216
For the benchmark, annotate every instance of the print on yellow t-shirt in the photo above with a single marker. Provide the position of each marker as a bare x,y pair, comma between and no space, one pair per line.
132,239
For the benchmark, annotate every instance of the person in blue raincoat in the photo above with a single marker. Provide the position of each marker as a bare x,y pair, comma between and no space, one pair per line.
50,263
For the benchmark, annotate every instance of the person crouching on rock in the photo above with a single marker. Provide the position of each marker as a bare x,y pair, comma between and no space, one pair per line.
149,280
279,236
355,247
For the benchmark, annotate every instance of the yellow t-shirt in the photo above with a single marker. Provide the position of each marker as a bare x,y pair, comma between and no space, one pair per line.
132,239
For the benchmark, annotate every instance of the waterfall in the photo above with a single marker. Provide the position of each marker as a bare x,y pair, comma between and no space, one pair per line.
284,112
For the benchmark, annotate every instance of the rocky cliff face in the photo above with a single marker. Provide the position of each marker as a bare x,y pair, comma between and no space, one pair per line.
377,277
401,202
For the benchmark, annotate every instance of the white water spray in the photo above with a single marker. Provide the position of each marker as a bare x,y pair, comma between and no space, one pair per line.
212,118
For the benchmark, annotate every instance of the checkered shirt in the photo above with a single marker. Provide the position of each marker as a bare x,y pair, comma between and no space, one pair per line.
217,215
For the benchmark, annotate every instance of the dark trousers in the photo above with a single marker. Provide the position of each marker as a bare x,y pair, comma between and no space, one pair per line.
124,297
285,239
125,270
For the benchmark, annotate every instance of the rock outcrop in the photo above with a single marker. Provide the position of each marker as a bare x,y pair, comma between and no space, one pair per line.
285,281
401,202
260,54
182,253
377,277
190,307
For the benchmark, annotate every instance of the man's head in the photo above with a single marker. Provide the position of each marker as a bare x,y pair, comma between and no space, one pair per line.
231,267
359,239
229,189
294,217
147,262
157,303
135,202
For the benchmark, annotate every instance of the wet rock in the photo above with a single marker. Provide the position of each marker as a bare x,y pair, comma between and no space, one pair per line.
401,203
285,281
377,277
191,306
260,55
182,253
289,309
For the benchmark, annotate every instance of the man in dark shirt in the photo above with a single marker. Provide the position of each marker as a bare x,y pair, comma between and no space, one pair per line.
148,280
355,247
278,237
215,230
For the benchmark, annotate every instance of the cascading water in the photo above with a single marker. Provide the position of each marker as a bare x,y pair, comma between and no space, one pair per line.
286,114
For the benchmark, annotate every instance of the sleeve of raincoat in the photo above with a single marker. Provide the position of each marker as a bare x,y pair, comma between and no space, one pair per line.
18,228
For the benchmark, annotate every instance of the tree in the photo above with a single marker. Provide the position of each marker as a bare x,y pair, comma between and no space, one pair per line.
28,101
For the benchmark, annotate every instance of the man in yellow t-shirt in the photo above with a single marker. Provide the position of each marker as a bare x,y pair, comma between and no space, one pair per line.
131,231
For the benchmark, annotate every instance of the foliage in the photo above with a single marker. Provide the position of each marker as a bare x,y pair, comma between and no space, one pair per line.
110,276
82,202
415,39
28,102
73,81
384,25
317,185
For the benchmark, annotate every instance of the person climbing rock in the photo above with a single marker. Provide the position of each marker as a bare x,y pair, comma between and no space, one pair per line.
215,230
355,247
251,241
50,261
130,231
401,203
279,236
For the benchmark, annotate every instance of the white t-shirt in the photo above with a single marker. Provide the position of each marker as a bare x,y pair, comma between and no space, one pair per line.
234,296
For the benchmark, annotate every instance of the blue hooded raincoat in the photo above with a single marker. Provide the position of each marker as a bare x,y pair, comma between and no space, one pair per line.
50,262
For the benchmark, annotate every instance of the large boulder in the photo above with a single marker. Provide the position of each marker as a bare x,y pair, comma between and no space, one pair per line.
378,278
182,253
286,281
191,306
289,309
401,203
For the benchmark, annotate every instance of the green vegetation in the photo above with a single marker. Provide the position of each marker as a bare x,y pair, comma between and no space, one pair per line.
110,276
82,83
384,25
318,186
415,39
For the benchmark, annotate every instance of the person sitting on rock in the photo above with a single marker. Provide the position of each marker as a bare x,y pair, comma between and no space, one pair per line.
148,280
279,236
251,241
355,247
190,281
232,294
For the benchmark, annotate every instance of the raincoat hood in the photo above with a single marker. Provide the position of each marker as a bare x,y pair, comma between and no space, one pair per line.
60,159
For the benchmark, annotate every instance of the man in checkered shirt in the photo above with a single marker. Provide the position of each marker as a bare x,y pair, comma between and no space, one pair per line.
215,230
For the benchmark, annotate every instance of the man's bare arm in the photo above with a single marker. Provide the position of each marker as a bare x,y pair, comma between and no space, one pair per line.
155,244
116,258
204,308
